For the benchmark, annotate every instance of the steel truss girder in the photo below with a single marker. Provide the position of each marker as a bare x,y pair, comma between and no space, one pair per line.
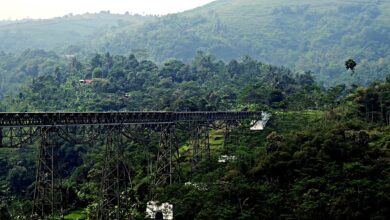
82,134
57,119
17,137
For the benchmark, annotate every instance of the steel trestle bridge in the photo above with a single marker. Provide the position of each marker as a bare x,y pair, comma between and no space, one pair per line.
113,131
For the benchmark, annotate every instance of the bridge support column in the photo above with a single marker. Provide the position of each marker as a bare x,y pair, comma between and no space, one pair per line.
47,195
200,145
1,137
114,191
167,157
11,137
227,134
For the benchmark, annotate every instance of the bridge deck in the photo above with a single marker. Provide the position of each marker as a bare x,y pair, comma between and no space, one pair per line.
58,119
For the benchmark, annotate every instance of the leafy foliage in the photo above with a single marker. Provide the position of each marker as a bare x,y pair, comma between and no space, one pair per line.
323,155
350,65
116,83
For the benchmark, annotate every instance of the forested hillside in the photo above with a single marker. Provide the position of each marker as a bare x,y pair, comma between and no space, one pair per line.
303,35
323,155
62,32
18,69
118,83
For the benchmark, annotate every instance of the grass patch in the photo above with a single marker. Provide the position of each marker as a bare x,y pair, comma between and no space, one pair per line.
76,215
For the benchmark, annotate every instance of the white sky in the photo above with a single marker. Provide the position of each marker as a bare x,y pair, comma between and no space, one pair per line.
18,9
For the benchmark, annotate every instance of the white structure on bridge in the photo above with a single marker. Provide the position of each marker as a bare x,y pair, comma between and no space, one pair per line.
260,125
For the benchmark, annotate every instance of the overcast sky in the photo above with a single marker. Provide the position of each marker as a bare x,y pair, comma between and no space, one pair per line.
18,9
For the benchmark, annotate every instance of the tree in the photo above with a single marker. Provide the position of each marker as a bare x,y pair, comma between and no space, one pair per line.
97,72
96,61
350,65
388,78
57,75
132,62
234,68
171,69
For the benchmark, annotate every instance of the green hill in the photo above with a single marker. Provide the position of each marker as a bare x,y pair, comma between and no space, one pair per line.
303,35
61,32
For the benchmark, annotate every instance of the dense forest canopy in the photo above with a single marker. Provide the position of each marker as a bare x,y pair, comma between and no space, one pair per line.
118,83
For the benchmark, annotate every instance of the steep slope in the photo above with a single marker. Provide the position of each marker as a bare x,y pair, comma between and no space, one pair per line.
17,70
58,33
317,35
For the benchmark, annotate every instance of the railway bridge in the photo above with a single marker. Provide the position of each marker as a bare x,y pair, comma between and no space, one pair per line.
112,131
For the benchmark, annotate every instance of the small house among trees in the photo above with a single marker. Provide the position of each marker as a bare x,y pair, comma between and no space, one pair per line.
86,81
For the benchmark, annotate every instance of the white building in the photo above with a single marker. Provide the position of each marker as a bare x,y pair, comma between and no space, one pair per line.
153,207
226,158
